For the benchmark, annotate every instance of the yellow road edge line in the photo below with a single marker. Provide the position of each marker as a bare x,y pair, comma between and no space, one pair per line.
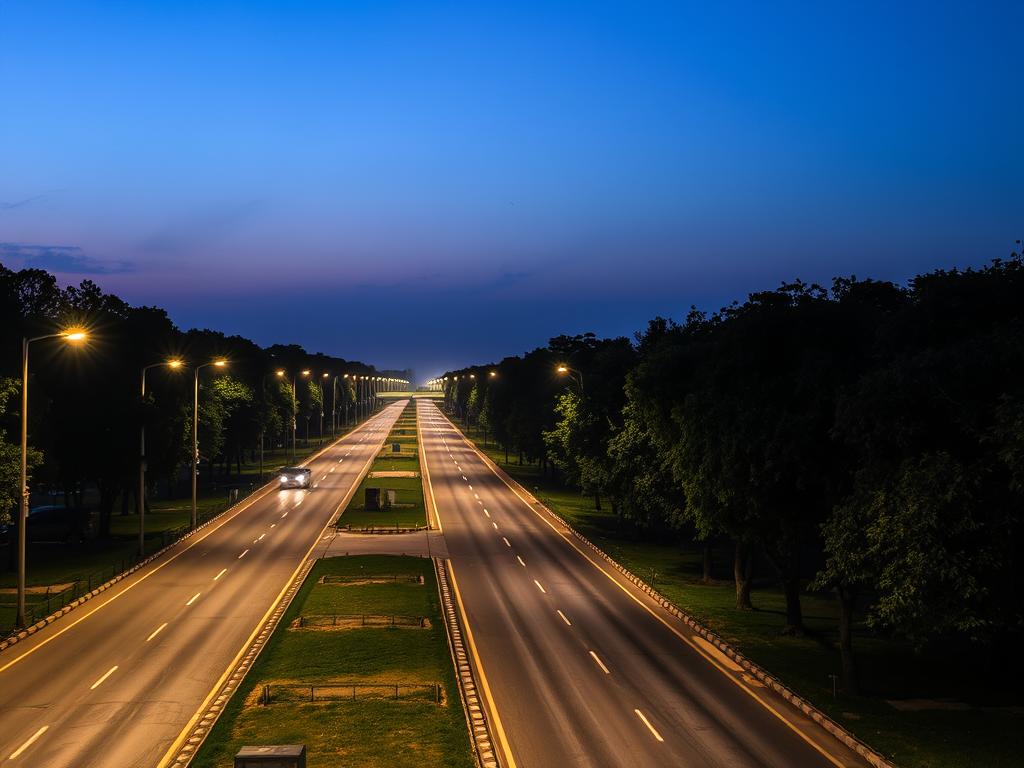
501,738
714,662
183,735
212,529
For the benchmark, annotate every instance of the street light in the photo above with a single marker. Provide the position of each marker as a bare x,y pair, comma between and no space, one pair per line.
218,363
73,336
173,364
572,373
295,409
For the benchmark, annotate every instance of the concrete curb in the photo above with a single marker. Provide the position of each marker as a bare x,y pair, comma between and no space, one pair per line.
761,675
479,730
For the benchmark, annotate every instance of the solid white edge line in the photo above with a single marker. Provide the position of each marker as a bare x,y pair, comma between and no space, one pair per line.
156,631
31,740
647,722
106,674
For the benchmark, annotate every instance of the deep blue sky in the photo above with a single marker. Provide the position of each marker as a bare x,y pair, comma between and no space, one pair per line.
431,184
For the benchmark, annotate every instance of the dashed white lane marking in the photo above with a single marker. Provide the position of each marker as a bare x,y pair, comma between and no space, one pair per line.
540,587
261,537
476,496
284,515
599,663
106,674
520,561
648,724
222,572
464,478
31,740
495,525
193,598
486,512
244,553
332,469
506,541
273,525
471,487
566,620
316,484
156,631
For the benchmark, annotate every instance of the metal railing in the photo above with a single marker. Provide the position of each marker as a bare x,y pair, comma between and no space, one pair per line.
343,691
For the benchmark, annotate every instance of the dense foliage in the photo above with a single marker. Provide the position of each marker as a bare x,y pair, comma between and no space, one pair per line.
86,408
866,439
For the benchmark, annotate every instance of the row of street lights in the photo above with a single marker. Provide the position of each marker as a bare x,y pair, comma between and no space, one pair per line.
370,385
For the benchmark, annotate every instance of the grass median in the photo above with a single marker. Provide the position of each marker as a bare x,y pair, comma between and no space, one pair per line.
397,471
941,715
354,719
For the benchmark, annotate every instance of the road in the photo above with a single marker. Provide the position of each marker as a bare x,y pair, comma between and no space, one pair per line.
580,668
114,682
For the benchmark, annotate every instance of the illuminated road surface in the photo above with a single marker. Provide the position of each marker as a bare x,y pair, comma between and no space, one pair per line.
115,681
582,668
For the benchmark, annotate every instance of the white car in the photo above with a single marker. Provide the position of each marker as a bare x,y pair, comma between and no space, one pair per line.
294,477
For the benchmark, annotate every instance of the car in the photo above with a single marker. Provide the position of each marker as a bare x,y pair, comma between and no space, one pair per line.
294,477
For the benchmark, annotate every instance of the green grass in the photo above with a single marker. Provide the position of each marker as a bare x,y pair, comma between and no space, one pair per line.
370,733
412,512
993,737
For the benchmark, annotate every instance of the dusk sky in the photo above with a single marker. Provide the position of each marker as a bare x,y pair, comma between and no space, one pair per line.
433,184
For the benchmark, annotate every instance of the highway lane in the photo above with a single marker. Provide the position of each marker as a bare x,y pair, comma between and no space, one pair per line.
582,668
115,681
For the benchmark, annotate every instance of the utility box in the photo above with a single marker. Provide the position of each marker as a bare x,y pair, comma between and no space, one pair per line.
396,447
371,501
280,756
390,497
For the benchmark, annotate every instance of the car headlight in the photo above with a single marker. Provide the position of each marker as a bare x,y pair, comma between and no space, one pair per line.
284,479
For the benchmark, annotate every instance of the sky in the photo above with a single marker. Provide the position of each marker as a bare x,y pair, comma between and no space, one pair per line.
434,184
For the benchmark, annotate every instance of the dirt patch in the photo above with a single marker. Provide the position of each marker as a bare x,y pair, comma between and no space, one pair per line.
357,581
358,621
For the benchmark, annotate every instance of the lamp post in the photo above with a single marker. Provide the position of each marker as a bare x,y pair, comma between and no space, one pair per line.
174,365
72,335
219,363
572,373
324,376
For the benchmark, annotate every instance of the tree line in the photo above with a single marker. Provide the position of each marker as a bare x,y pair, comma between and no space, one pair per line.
86,408
866,439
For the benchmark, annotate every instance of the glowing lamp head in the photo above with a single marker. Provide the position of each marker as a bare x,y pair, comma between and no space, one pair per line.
327,375
75,335
279,373
563,369
493,374
220,363
306,373
175,363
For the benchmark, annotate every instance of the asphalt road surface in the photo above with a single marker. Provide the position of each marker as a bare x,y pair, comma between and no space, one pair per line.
582,668
114,682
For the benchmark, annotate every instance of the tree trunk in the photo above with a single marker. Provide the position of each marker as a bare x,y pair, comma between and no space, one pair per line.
794,613
706,576
597,501
743,571
506,454
851,681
